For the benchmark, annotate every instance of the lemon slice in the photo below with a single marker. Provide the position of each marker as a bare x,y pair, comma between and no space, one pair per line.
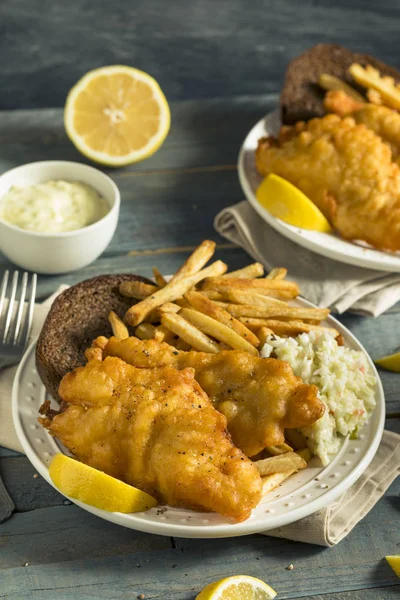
117,115
391,362
88,485
238,587
285,201
394,562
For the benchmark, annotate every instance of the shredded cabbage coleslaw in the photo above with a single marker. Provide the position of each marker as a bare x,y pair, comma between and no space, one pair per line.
345,381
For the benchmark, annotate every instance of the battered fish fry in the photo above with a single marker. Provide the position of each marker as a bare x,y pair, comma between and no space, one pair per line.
260,397
384,121
346,170
157,430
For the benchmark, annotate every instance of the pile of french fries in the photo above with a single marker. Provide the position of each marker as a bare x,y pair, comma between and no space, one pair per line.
209,309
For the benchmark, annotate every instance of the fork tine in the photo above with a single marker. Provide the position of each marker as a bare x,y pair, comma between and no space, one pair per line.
29,314
18,319
3,290
10,309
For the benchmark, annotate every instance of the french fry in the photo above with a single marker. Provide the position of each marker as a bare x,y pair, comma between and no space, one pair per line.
217,330
159,279
249,297
137,289
279,449
285,328
208,307
212,294
370,78
330,82
278,273
271,482
145,331
162,334
173,290
168,307
182,303
119,328
196,260
295,439
189,333
220,284
263,334
281,463
305,454
249,272
277,311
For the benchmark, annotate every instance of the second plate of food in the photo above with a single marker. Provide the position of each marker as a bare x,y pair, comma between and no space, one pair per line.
325,244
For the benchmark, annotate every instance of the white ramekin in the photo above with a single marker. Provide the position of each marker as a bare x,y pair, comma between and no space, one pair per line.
59,252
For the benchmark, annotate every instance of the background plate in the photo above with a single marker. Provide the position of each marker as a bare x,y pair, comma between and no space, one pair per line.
302,494
322,243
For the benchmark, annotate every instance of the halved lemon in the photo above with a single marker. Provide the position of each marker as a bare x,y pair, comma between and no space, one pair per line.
117,115
238,587
394,562
285,201
390,363
88,485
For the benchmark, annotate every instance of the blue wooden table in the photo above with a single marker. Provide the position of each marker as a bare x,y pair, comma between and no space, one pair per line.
221,65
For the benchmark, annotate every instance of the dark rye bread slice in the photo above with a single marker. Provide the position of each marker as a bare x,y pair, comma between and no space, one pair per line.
76,318
302,97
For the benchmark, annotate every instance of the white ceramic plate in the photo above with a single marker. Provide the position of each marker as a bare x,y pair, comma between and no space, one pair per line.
326,244
302,494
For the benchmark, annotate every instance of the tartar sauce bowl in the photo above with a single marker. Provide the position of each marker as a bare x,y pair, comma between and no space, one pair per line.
52,253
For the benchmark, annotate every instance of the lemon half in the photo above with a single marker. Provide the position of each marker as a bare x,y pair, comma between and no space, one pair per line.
285,201
93,487
238,587
390,363
117,115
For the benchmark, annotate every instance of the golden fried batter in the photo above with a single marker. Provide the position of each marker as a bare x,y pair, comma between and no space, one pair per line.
157,430
346,170
384,121
260,397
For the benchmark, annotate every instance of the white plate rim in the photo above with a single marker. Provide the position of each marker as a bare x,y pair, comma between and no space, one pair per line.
339,249
226,530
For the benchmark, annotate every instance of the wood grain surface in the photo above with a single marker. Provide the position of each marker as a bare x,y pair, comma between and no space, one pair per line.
221,65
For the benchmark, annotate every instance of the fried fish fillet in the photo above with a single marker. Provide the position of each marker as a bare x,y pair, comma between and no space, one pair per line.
260,397
346,170
383,121
157,430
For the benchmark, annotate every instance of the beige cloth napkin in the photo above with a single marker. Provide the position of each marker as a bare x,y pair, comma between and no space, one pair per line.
330,525
326,527
323,281
8,437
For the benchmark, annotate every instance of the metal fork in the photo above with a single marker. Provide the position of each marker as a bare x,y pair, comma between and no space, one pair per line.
16,319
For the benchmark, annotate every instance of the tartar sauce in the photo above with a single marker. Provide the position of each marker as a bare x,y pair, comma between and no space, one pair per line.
53,207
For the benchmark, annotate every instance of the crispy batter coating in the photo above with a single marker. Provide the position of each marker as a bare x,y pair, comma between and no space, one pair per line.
157,430
260,397
384,121
346,170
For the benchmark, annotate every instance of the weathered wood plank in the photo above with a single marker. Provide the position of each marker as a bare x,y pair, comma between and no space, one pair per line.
182,571
195,50
27,492
203,133
60,534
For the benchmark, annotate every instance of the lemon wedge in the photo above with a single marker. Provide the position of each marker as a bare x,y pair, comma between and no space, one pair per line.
88,485
390,363
394,562
285,201
117,115
238,587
